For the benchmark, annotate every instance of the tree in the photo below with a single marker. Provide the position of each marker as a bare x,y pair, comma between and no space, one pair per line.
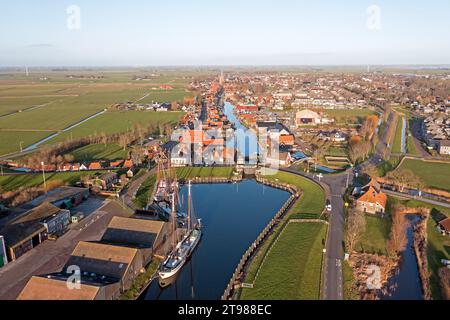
398,239
404,178
356,224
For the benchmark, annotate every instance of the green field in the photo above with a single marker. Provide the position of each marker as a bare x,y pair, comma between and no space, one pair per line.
12,182
117,122
376,235
144,192
10,140
110,151
312,201
291,270
310,205
65,101
433,174
349,116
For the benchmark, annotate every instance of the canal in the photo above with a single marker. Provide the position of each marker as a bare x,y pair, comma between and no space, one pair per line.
406,283
246,140
232,216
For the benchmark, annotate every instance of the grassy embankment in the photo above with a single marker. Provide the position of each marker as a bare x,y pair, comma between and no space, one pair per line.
292,267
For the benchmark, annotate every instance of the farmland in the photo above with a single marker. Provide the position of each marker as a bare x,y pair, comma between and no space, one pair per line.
117,122
13,182
92,152
433,174
52,101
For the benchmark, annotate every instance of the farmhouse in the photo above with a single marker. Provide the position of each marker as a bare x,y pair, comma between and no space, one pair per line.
372,201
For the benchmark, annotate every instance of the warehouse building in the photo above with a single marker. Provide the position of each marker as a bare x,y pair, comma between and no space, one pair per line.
145,235
94,258
32,228
59,286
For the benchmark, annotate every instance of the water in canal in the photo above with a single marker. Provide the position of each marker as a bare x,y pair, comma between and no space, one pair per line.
232,216
407,281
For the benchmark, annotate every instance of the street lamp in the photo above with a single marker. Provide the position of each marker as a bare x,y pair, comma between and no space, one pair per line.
43,176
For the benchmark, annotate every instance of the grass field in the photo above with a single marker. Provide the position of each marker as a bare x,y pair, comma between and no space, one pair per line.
310,205
117,122
376,235
144,192
312,201
10,140
13,182
65,100
291,270
349,115
110,151
434,174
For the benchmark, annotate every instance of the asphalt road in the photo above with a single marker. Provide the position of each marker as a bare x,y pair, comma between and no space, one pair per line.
334,186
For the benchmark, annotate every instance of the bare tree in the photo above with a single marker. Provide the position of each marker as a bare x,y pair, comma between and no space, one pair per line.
398,239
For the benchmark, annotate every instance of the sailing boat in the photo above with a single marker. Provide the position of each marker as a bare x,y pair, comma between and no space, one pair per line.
183,249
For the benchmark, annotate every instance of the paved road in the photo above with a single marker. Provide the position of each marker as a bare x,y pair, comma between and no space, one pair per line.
408,196
128,195
51,256
334,186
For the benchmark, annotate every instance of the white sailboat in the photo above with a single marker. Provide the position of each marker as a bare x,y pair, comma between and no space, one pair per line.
184,248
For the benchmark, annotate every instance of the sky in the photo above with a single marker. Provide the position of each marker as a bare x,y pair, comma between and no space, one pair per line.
223,32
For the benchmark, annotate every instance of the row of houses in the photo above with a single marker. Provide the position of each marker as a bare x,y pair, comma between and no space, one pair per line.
102,270
67,167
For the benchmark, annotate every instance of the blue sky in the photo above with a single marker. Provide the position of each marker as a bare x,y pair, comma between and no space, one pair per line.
244,32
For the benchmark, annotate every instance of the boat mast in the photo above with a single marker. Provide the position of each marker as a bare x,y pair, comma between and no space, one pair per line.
189,206
174,216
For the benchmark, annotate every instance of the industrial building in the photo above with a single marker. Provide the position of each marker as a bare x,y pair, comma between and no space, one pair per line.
59,286
33,227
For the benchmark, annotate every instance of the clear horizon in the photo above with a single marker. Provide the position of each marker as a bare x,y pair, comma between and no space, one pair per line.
232,33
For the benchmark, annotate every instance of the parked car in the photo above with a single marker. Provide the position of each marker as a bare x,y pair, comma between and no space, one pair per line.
328,206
